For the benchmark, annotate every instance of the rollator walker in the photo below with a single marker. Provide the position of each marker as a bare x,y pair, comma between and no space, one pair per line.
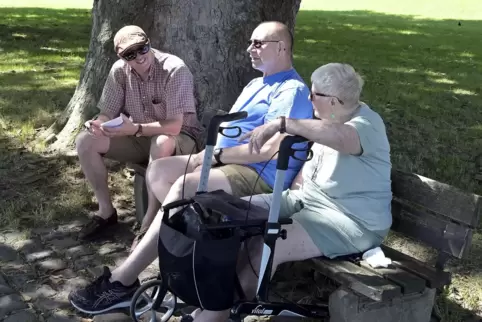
199,245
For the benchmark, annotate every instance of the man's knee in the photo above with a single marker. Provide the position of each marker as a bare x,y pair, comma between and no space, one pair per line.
186,185
162,146
154,173
84,142
87,143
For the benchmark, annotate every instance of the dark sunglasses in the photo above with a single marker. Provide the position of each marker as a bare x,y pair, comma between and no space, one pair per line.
258,43
131,54
324,95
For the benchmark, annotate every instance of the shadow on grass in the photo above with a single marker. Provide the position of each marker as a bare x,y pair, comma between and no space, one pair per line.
43,53
40,190
36,189
421,75
53,30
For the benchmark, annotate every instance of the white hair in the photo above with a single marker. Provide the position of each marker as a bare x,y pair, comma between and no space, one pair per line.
339,80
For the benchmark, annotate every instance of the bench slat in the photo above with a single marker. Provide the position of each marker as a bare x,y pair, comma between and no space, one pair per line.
408,282
440,198
438,233
357,278
432,277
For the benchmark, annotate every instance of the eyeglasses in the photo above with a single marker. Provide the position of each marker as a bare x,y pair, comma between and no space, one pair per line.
258,43
132,54
325,95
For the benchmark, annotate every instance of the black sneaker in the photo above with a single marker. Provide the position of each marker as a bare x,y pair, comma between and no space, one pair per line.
97,225
102,296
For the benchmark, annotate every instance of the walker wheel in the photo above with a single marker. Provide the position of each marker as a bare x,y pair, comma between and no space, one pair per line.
152,301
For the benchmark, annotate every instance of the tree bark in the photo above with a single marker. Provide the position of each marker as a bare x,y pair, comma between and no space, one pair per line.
210,36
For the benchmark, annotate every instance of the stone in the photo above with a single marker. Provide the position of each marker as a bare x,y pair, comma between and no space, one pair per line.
22,280
346,306
62,244
78,251
110,248
10,303
5,290
86,262
73,226
112,317
41,231
119,258
39,255
26,244
34,292
64,274
24,316
151,272
51,265
47,304
4,287
97,270
12,237
63,316
73,284
52,235
7,253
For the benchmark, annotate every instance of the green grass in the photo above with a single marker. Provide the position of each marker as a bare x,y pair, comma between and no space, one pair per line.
443,9
44,51
422,73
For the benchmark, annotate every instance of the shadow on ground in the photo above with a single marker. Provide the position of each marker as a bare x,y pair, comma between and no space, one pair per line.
39,190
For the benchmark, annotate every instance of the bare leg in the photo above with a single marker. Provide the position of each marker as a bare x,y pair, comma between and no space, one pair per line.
160,176
146,251
89,149
162,146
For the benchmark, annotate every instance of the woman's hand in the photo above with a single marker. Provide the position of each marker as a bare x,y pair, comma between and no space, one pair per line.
260,135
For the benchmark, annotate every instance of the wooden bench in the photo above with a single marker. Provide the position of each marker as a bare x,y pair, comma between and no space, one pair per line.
426,211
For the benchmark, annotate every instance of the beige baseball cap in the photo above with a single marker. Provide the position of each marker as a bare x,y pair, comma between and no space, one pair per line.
129,36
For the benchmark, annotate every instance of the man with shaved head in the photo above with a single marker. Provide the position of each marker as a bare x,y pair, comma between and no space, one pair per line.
278,94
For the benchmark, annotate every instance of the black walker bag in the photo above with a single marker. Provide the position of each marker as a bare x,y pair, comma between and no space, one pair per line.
199,265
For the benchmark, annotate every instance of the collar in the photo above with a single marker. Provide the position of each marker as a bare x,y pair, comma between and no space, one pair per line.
273,78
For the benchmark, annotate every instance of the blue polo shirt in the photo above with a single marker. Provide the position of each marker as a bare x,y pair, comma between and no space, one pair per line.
265,99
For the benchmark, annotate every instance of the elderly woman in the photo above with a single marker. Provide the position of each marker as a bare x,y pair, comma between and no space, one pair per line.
343,203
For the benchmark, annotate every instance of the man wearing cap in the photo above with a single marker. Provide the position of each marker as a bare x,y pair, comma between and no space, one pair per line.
153,93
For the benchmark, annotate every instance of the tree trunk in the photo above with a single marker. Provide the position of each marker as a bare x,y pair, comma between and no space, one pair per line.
210,36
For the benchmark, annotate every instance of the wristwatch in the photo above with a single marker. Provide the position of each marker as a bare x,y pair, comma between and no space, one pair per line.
139,131
282,127
217,155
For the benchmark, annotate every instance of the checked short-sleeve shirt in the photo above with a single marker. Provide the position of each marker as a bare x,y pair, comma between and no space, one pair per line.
168,91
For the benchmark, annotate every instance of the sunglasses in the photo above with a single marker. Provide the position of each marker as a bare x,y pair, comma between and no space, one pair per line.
258,43
325,95
132,53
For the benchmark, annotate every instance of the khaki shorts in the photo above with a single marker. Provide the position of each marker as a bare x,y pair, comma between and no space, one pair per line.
242,180
333,232
136,149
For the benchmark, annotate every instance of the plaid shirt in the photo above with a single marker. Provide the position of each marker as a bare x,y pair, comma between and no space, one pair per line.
168,91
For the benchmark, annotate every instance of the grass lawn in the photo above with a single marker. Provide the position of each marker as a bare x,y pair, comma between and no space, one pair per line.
421,61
